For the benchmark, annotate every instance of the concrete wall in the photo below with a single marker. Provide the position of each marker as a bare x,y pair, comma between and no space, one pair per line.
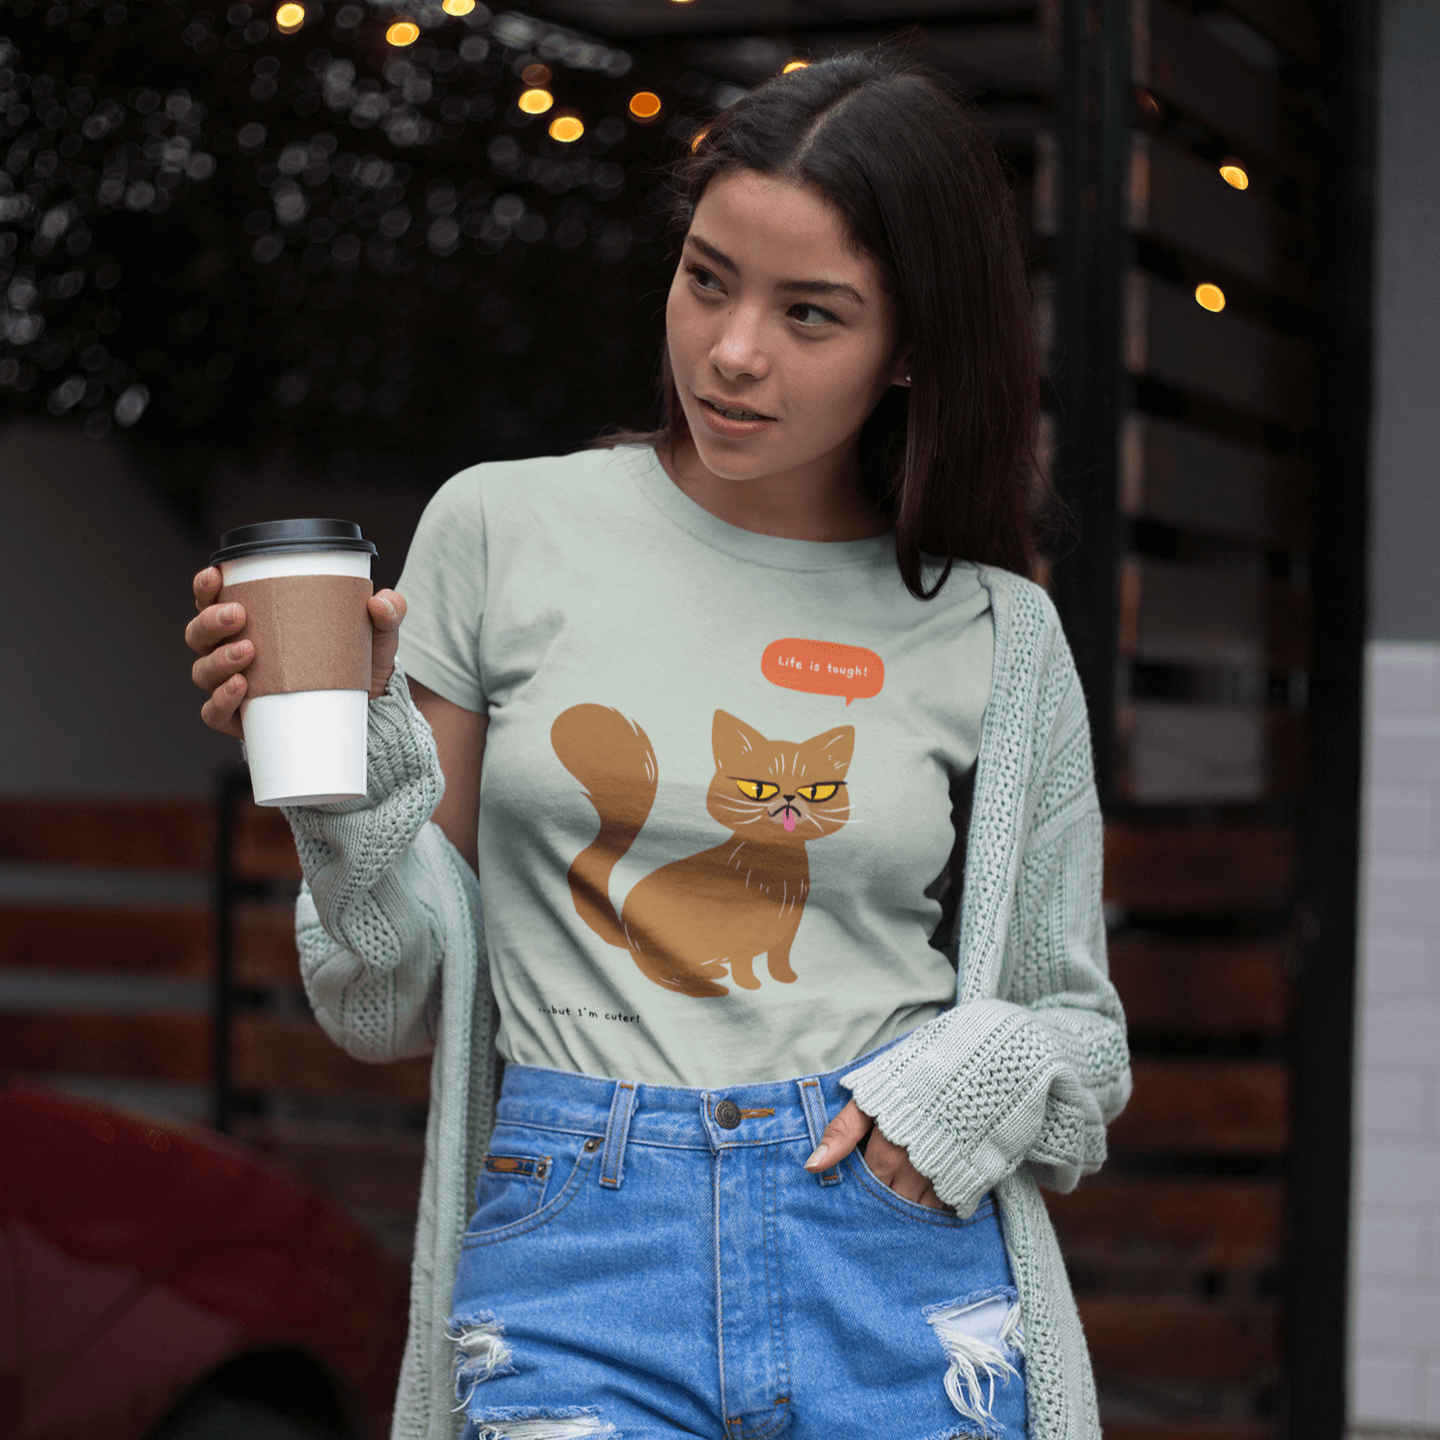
97,574
1395,1313
97,579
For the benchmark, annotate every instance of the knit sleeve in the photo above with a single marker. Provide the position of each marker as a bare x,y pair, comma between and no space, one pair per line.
366,926
1033,1075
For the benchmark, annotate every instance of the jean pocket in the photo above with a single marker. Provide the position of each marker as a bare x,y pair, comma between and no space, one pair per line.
525,1177
897,1205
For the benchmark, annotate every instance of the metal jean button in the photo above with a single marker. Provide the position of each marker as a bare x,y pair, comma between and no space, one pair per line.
727,1114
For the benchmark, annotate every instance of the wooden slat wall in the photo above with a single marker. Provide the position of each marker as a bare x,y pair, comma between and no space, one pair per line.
351,1129
1176,1249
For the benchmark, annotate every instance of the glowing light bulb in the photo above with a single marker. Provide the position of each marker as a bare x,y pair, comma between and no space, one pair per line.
695,143
795,65
402,33
535,102
567,128
289,18
1232,172
536,74
644,105
1210,297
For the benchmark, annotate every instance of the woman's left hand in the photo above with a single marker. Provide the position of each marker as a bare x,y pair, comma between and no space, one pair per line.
890,1164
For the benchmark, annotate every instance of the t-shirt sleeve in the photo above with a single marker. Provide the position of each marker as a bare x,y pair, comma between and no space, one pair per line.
444,588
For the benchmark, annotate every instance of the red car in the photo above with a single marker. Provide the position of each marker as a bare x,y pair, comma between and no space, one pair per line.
160,1282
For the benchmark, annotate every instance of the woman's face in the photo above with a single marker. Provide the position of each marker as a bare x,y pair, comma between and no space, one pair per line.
781,336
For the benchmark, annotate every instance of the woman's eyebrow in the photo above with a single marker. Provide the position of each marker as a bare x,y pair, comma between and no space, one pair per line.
788,287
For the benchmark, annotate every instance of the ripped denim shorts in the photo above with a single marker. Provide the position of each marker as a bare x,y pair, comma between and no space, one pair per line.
650,1261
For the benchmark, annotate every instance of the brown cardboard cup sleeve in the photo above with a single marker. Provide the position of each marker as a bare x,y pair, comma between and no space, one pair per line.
311,632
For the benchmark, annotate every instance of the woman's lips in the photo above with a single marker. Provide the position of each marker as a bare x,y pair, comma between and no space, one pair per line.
724,425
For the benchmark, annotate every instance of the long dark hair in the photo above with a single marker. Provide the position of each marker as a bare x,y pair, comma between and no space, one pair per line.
946,461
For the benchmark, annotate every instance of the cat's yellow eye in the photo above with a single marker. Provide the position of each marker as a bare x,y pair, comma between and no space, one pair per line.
819,792
757,789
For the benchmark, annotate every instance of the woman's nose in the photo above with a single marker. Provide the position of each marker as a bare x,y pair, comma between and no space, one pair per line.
740,350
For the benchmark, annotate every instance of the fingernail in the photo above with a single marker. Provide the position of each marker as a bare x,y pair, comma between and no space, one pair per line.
227,615
389,608
815,1160
238,652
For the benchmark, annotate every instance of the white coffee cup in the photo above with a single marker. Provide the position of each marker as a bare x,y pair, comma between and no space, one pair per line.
304,746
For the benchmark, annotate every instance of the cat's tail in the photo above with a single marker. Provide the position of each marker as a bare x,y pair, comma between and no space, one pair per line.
612,758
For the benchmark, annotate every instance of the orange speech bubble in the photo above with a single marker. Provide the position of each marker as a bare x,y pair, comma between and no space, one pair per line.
821,667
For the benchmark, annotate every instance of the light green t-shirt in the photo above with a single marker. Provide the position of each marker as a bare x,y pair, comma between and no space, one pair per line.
717,771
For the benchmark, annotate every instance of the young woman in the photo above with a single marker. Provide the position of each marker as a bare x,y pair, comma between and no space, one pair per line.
765,1155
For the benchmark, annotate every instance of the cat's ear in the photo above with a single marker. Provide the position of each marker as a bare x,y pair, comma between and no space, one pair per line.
733,741
837,746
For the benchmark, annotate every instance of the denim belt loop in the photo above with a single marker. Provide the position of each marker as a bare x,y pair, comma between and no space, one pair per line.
812,1099
617,1129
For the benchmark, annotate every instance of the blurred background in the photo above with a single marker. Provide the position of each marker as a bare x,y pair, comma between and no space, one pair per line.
309,259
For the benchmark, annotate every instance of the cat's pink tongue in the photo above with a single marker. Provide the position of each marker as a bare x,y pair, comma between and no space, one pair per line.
789,819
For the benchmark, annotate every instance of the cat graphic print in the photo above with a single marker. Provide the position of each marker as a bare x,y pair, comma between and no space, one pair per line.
698,921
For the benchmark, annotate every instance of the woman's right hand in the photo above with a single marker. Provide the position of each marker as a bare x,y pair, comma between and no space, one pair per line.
220,669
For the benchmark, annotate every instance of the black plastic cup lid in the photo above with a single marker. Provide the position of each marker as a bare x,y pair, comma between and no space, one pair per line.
277,537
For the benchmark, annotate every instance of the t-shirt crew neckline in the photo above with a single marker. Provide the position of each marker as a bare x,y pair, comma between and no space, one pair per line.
778,552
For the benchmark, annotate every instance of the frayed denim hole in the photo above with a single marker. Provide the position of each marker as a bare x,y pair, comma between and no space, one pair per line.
979,1335
572,1424
481,1353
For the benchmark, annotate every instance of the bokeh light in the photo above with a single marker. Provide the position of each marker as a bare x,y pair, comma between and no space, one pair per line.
457,7
403,32
535,102
289,18
795,65
1233,173
566,128
644,105
699,136
1210,297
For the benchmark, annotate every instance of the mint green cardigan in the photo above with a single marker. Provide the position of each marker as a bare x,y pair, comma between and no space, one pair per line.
1009,1089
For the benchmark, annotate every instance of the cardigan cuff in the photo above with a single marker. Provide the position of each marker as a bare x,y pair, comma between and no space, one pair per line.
969,1095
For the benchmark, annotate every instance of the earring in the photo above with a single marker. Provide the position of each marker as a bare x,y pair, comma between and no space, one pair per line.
907,379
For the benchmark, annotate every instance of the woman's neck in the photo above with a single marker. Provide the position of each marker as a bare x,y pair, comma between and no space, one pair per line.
816,502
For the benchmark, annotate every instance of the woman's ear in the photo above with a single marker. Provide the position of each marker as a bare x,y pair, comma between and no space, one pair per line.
900,374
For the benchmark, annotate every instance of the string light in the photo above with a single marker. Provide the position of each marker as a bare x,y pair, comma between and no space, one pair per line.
699,136
457,7
1210,297
1232,172
535,102
644,105
536,74
567,128
795,65
289,18
402,33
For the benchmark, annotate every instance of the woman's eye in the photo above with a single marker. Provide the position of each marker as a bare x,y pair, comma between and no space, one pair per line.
757,789
704,278
811,315
819,792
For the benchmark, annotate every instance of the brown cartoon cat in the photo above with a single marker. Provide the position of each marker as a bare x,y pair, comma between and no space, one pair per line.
684,922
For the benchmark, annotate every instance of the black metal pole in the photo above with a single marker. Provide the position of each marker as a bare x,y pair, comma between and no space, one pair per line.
1088,375
1313,1399
234,784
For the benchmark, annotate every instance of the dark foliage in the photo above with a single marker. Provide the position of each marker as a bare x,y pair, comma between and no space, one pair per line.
232,241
